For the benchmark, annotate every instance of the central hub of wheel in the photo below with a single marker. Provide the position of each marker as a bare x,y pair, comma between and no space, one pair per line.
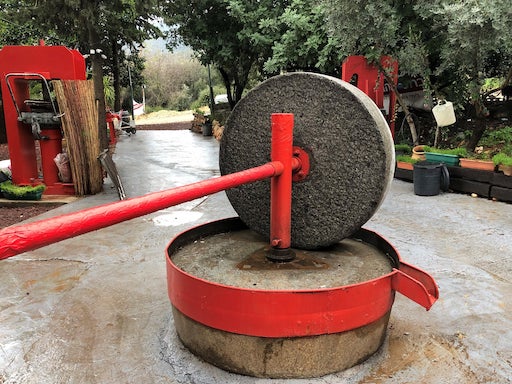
252,299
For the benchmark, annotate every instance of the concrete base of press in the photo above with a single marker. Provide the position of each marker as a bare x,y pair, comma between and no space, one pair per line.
295,357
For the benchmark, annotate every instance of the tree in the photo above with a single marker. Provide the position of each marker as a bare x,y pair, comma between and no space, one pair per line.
174,80
475,42
225,33
98,26
449,44
302,41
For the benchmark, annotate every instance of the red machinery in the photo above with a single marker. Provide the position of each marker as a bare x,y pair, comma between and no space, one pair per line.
369,79
31,113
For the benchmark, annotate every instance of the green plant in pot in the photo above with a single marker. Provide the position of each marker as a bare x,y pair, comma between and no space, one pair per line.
479,159
446,156
504,162
405,161
21,192
403,149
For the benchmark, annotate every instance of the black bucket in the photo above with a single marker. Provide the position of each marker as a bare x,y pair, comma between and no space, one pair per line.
207,129
430,178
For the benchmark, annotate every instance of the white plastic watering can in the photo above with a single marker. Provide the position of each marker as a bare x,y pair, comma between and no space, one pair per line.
444,113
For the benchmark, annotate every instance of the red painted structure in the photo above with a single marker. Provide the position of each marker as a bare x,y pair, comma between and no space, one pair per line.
24,66
111,118
292,313
369,78
281,186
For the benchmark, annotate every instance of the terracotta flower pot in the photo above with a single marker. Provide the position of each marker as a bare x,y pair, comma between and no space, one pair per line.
506,169
483,165
418,153
404,165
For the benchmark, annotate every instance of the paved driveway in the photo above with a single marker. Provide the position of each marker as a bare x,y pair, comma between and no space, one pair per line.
94,309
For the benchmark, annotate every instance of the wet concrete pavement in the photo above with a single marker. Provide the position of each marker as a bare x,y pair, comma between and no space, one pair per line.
94,309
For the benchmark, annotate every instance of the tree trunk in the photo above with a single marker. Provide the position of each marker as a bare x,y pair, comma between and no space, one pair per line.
116,76
476,135
481,113
227,83
99,93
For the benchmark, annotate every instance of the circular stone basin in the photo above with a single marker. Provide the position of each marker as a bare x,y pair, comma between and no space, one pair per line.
324,312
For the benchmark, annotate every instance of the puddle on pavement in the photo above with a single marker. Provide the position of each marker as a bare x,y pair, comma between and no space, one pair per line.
176,218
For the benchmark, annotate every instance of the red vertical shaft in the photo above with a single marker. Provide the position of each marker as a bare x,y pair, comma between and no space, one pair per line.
281,188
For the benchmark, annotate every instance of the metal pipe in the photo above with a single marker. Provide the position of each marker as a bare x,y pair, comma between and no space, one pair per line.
281,188
27,237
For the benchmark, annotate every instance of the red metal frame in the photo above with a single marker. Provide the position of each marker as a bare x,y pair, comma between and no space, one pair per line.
51,62
111,117
370,80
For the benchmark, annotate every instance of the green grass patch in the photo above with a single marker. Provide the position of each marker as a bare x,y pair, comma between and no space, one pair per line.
403,149
460,152
502,159
21,192
406,159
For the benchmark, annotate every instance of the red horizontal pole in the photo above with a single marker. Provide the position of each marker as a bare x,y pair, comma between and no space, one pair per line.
27,237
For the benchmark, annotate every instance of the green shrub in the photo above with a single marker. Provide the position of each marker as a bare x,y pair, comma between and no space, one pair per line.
507,150
502,159
498,136
403,148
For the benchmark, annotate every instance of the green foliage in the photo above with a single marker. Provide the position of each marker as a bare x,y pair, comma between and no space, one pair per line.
225,33
177,80
502,159
109,90
491,83
495,137
453,45
460,152
484,155
302,40
403,148
406,159
507,149
99,24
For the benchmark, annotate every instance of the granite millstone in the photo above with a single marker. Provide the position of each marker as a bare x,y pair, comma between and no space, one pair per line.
350,147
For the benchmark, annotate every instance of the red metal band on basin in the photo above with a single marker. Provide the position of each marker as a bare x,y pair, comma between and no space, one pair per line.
277,313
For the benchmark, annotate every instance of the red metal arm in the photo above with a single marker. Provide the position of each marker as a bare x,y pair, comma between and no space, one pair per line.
27,237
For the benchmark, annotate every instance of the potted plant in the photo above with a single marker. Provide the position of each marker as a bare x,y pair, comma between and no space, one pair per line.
405,162
418,152
480,160
21,192
504,162
446,156
403,149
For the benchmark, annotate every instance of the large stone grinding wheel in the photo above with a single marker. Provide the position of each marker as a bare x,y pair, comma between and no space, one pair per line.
350,150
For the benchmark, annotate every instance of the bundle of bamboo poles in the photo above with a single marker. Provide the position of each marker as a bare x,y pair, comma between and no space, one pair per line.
80,126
